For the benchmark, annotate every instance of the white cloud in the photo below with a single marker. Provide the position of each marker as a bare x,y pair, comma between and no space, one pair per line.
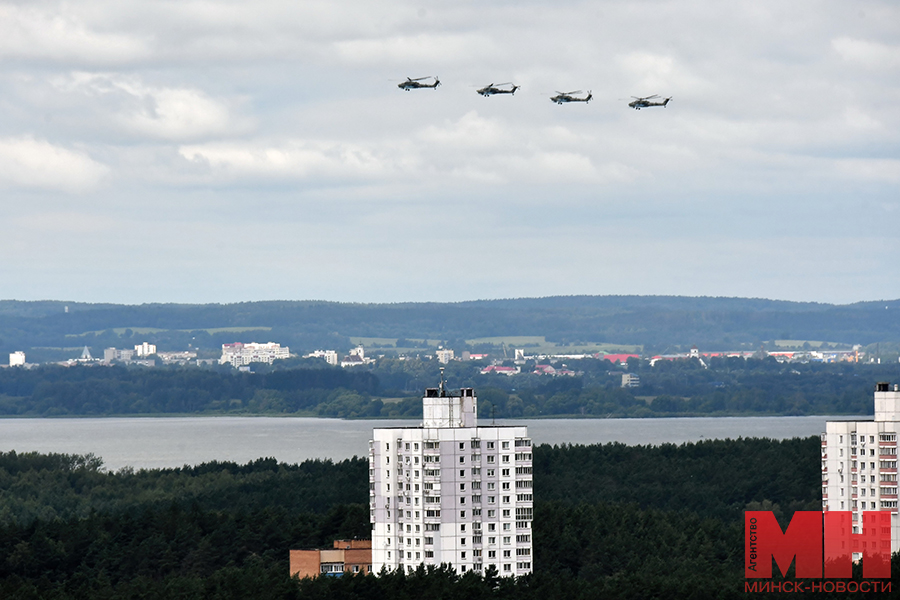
867,169
419,49
32,163
32,31
872,55
158,112
293,159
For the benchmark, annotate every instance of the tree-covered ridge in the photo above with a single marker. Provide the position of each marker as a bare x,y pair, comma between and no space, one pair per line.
60,487
652,321
611,521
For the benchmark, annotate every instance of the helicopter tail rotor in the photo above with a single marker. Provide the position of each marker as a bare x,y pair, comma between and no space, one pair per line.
666,101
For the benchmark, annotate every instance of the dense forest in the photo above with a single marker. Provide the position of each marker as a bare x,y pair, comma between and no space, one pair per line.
393,388
610,521
654,322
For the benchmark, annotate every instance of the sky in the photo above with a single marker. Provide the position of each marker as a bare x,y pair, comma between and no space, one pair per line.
225,151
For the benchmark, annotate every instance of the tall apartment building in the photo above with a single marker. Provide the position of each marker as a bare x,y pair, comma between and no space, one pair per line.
450,491
859,463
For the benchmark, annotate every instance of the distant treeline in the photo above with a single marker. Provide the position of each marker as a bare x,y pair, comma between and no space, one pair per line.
611,521
655,322
393,388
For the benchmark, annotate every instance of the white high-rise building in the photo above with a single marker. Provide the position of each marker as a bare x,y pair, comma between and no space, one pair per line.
17,359
145,349
859,463
449,491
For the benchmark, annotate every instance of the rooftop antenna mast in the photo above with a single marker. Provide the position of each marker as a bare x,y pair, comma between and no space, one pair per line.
443,391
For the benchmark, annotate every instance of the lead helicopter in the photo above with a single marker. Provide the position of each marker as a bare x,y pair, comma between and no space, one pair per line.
414,84
563,97
640,103
490,90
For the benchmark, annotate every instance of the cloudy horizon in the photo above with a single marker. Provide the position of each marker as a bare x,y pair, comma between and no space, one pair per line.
222,151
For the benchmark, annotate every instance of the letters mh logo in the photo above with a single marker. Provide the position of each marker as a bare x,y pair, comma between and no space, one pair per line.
817,540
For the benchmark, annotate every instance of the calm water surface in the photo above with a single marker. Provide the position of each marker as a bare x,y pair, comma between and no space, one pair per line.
147,442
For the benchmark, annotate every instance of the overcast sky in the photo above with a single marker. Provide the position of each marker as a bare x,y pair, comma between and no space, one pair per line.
219,151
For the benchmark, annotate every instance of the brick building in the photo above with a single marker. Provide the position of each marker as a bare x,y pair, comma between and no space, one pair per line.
347,556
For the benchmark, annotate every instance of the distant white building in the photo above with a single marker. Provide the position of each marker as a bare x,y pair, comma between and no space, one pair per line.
111,354
630,380
181,358
17,359
145,349
239,354
356,357
330,356
444,356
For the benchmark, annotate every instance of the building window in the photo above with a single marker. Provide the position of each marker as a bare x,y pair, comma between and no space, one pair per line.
505,473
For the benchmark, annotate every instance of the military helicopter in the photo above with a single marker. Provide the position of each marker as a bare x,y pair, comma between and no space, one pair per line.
640,103
562,97
490,90
413,84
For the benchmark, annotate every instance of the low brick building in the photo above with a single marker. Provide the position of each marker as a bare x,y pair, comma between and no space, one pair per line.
347,556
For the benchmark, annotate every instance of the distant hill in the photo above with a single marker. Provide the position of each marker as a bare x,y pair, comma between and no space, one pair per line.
656,322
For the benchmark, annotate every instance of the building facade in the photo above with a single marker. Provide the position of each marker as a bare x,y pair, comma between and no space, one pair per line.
451,492
239,354
859,463
347,556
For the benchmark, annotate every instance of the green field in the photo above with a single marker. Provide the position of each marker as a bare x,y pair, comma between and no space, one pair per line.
145,330
799,343
370,342
533,344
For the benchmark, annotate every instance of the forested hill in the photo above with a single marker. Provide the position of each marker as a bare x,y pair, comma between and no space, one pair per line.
650,321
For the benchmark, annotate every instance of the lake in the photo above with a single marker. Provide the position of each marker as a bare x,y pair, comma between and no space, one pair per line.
150,442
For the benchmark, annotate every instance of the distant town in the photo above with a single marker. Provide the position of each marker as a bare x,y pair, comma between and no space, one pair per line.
243,355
